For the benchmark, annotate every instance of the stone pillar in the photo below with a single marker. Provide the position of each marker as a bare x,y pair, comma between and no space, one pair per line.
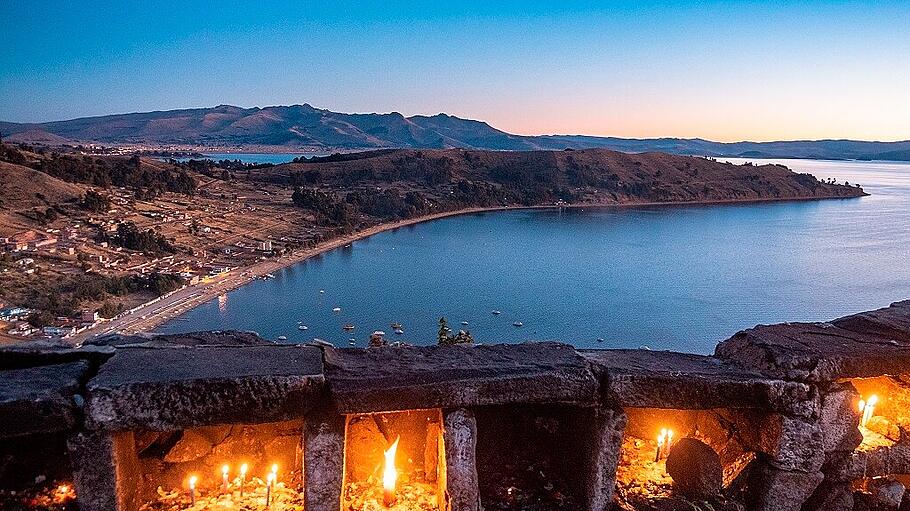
460,434
323,461
604,433
106,473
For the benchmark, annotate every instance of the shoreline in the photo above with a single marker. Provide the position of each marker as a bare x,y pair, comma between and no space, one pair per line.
146,318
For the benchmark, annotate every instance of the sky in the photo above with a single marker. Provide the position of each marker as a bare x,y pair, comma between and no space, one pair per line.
723,71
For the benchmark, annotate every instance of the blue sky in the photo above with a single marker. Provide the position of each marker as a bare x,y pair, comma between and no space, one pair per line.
718,70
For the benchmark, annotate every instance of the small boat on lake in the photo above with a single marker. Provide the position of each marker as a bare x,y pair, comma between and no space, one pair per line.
398,331
518,323
336,309
348,327
282,337
465,323
352,341
303,327
395,326
497,313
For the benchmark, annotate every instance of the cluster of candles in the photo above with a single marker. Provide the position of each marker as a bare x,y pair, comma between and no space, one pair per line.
271,479
664,439
867,408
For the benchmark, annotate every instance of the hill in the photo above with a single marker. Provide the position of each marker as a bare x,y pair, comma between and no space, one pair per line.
594,176
23,188
299,127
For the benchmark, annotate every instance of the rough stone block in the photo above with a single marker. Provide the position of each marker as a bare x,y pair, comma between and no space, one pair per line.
790,443
831,496
40,399
781,490
164,389
839,419
663,379
603,432
460,436
323,461
864,345
374,380
106,471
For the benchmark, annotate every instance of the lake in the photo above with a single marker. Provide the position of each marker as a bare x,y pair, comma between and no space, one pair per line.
666,277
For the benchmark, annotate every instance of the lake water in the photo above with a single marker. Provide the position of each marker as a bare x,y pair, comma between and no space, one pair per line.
668,277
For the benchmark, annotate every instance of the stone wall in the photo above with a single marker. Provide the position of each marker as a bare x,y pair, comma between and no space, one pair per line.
784,395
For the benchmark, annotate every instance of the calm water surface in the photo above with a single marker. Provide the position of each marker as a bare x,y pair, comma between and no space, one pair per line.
669,277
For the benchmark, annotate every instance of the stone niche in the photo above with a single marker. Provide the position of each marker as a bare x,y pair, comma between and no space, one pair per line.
546,457
167,462
642,475
36,473
878,469
419,461
38,410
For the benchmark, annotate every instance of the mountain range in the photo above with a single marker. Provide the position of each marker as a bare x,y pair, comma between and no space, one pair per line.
303,127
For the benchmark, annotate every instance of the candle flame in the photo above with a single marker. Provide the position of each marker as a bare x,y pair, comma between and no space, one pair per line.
867,408
225,469
275,469
389,474
270,479
243,469
193,480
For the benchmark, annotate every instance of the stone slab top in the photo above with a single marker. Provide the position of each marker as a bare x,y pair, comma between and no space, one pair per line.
388,379
40,399
665,379
172,388
862,345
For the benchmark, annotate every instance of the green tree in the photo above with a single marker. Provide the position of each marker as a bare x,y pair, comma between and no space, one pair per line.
443,337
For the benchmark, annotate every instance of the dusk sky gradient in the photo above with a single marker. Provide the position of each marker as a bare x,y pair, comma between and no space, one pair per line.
717,70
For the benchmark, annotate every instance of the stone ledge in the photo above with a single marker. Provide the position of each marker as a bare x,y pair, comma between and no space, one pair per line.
40,399
664,379
386,379
863,345
173,388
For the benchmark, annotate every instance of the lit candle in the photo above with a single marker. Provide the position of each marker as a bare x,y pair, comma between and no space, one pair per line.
268,489
193,480
669,441
868,409
243,469
660,443
224,478
389,475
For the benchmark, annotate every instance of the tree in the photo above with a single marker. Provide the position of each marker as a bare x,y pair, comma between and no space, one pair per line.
443,337
94,201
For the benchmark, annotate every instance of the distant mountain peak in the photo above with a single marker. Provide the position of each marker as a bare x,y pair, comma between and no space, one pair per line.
298,126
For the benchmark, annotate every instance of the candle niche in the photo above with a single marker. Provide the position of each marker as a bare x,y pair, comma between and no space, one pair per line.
533,457
238,466
36,474
642,478
884,411
394,460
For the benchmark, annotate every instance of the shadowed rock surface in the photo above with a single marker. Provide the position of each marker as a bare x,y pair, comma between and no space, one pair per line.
843,348
695,469
168,388
664,379
455,376
40,399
